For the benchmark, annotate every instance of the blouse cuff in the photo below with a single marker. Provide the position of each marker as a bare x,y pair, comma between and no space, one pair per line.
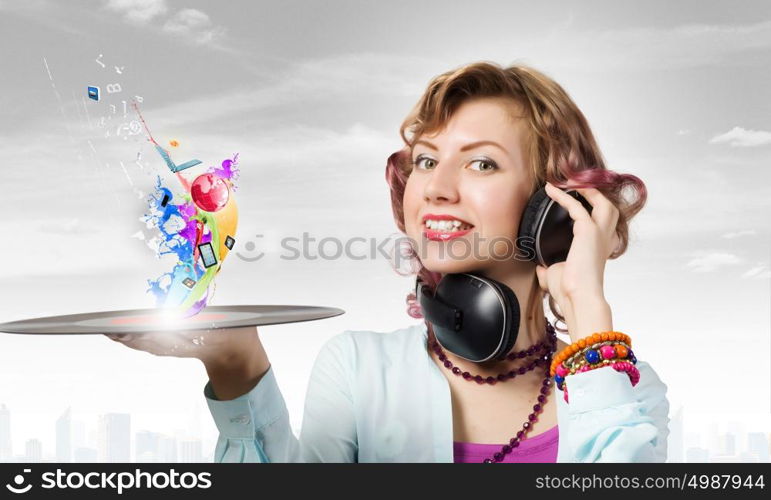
598,389
242,417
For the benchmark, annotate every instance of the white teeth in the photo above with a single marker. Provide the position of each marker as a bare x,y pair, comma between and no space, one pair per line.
447,225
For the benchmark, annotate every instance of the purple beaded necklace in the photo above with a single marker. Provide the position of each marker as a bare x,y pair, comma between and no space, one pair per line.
549,345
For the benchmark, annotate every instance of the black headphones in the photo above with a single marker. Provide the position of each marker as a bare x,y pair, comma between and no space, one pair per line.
477,318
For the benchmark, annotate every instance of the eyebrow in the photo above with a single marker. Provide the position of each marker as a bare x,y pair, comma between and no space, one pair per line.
468,146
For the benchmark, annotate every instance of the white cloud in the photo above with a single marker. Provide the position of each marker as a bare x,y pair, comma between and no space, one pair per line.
758,272
192,24
139,11
641,49
707,262
738,234
740,137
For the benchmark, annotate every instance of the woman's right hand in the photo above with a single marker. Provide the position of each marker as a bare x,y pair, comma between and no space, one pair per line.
234,358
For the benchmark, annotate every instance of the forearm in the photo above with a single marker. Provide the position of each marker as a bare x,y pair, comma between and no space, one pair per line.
586,315
234,374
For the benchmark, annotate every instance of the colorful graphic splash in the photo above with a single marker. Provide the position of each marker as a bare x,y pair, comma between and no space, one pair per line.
197,226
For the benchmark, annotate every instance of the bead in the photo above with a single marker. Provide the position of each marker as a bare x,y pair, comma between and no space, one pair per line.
488,461
537,408
479,379
514,444
582,343
502,377
456,370
621,351
447,363
506,448
541,398
498,456
521,370
532,417
561,370
526,426
607,352
592,356
466,375
558,379
520,434
512,374
442,357
490,380
544,390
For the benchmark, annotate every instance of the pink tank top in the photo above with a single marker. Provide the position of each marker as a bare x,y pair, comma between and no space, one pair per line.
541,448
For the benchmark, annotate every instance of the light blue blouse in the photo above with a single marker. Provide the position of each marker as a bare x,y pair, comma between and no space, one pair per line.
379,397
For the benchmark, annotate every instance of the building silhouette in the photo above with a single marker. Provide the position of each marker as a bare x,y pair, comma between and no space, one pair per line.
64,437
33,450
114,437
6,446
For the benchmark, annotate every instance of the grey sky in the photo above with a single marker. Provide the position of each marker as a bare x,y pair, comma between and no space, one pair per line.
311,94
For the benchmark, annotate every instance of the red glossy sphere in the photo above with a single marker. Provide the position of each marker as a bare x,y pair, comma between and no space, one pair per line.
209,192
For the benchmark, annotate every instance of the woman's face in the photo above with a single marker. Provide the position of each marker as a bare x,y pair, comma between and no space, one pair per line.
474,174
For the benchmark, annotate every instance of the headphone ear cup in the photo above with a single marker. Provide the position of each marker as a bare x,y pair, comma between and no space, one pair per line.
531,218
512,315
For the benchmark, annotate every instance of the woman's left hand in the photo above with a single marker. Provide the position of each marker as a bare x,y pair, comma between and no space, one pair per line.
577,283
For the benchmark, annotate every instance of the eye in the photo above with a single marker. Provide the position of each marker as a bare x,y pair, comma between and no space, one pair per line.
484,162
417,161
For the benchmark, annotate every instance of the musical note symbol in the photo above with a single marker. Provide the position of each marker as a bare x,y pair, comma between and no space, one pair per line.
139,98
112,106
100,62
113,87
119,70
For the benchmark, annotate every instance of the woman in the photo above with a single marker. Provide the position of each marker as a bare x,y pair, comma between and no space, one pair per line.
481,140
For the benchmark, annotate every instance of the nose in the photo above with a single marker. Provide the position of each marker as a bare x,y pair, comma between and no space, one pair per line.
442,185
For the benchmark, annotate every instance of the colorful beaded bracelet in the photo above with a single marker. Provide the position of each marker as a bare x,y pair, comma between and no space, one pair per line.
594,358
603,350
582,366
581,344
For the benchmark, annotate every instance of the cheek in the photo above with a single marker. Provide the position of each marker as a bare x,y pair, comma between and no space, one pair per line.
411,204
499,210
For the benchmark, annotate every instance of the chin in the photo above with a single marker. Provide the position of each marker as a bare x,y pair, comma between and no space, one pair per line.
449,265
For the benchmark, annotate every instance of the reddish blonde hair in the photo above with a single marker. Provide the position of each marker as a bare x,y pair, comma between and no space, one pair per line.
559,144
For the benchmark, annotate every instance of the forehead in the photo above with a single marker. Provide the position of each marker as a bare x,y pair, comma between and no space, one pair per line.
490,118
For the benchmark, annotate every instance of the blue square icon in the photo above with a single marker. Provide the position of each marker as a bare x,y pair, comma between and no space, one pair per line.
93,93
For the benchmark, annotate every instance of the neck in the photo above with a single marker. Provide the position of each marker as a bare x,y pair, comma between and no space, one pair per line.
521,278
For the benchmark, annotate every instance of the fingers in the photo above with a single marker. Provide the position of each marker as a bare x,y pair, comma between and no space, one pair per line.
603,211
573,206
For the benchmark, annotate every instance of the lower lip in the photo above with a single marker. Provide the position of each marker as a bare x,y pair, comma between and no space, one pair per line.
443,235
